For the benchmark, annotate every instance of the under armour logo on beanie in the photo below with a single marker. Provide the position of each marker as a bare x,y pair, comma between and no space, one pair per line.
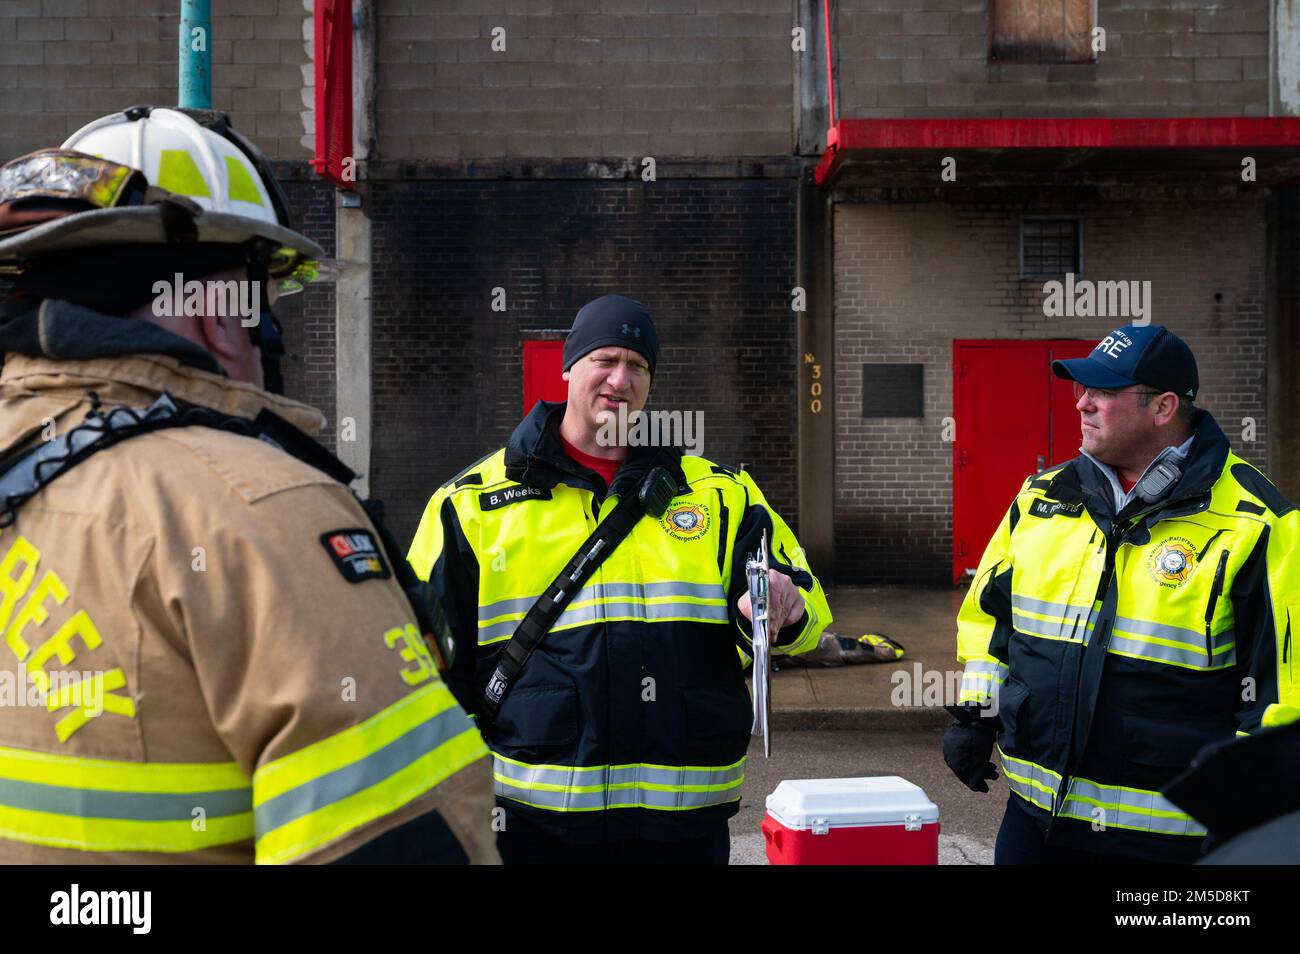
612,321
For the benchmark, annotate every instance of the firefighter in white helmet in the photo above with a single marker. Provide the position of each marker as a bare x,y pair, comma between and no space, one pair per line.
217,656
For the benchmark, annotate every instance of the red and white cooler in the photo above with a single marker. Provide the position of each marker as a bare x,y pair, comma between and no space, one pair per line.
851,821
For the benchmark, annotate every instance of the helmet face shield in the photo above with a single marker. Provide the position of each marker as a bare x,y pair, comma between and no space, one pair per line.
53,183
65,175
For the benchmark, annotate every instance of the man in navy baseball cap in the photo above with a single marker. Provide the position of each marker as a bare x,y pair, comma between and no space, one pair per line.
1134,395
1136,354
1119,605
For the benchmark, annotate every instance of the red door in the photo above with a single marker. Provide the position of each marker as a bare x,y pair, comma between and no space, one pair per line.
542,382
1013,418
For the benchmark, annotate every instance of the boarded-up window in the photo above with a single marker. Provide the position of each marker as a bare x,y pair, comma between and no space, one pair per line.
1042,31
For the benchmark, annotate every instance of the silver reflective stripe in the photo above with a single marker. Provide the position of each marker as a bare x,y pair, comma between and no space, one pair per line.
676,777
590,788
1068,622
1076,630
1044,608
601,775
527,776
360,775
595,612
128,806
981,676
996,669
657,798
560,801
1189,652
1028,779
602,591
1119,807
568,801
1178,634
1225,656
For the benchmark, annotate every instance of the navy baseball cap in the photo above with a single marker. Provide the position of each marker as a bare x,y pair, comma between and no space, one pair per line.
1136,354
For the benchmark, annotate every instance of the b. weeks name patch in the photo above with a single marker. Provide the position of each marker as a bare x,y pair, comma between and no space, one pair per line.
1055,508
492,499
356,554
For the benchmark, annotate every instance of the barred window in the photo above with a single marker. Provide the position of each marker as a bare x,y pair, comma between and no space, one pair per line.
1050,247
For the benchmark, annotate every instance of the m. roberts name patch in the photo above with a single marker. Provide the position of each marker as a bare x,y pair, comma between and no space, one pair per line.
1055,508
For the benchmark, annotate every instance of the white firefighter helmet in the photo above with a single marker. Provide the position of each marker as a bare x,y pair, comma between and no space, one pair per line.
226,189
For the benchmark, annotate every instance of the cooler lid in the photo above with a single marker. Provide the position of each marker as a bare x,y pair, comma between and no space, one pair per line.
815,802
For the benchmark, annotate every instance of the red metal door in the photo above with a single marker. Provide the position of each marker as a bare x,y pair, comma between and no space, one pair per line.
542,382
1013,418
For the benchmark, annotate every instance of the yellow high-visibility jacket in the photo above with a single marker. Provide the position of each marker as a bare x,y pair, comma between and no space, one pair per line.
632,718
1114,646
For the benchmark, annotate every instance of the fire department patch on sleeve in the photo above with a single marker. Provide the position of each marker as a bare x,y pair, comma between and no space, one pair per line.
356,554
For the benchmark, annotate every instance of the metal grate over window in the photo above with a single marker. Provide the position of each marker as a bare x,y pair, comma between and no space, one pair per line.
1050,247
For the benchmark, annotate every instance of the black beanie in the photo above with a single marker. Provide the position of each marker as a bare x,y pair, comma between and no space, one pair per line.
612,321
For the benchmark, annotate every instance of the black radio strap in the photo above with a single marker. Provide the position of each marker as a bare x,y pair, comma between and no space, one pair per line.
651,496
26,472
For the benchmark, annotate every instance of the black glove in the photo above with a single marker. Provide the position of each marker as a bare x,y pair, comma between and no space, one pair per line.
968,749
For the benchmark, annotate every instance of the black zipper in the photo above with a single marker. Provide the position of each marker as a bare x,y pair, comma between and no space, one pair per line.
723,516
1286,640
1206,549
1111,544
1215,590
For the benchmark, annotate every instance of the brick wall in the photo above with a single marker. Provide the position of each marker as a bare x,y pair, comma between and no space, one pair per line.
909,278
585,78
712,259
918,58
66,62
615,78
308,318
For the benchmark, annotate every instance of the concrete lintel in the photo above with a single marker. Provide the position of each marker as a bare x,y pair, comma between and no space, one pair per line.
761,167
352,336
815,338
1283,334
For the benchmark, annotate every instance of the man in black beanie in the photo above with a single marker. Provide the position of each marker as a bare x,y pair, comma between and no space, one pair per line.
609,358
619,733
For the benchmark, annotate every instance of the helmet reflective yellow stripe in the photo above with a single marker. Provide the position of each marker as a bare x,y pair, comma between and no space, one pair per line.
177,154
242,187
178,173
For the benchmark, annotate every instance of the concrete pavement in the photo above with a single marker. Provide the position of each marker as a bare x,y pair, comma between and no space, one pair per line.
864,696
865,720
968,822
